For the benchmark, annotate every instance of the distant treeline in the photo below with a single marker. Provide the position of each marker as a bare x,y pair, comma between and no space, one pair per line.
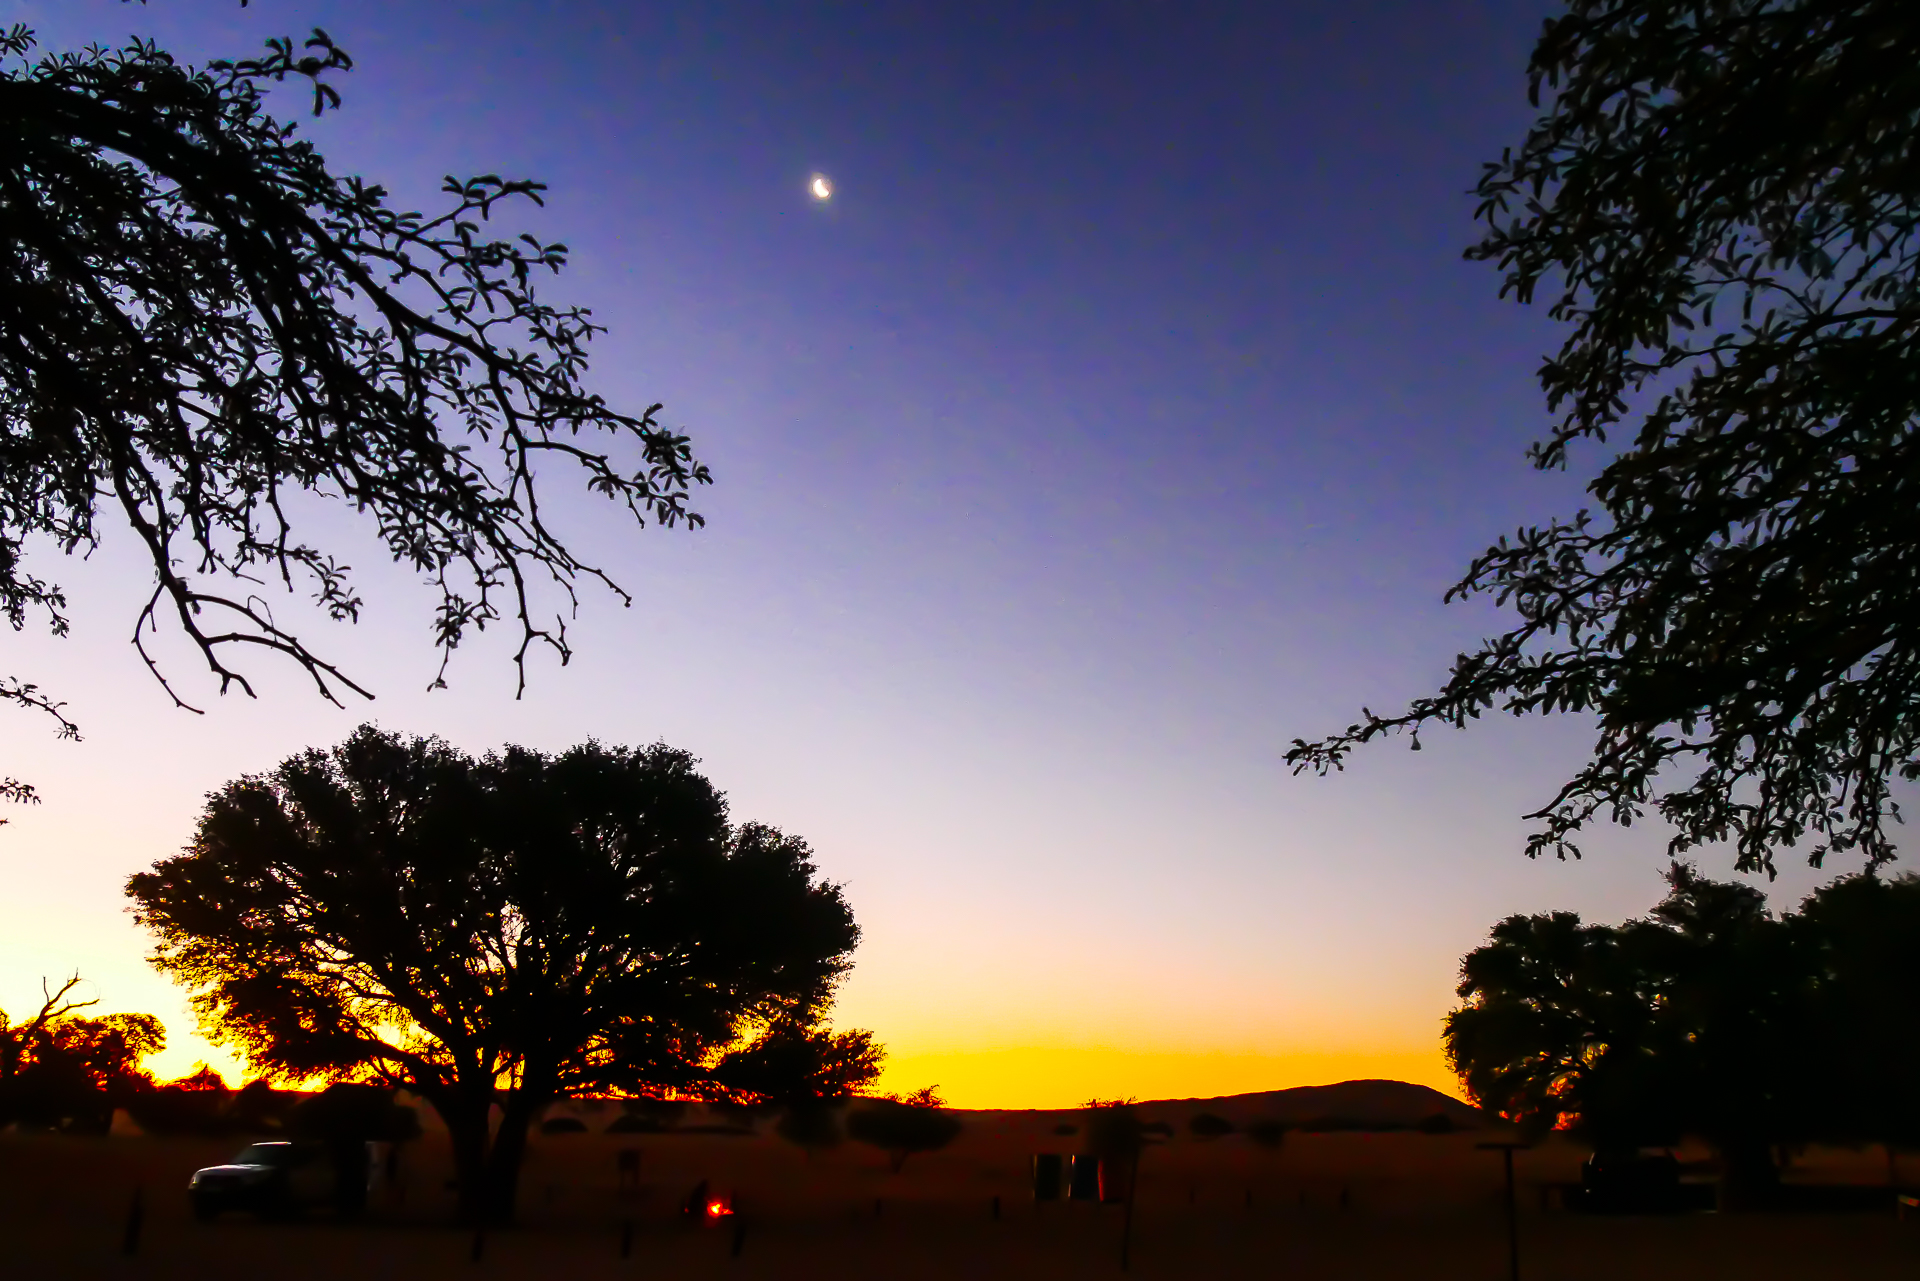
65,1072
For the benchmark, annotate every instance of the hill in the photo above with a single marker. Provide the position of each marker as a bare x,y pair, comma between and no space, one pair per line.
1348,1105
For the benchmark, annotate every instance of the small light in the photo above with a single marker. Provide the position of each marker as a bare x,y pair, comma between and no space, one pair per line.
822,189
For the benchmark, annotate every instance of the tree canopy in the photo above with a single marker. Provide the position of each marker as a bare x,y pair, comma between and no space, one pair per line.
1710,1017
60,1069
201,323
513,928
1721,201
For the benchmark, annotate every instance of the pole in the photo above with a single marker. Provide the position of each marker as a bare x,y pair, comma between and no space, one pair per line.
136,1216
1505,1148
1513,1222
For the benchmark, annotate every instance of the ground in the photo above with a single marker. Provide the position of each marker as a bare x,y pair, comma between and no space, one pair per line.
1427,1206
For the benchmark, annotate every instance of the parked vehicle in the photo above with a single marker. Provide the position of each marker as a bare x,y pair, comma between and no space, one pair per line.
269,1179
1638,1181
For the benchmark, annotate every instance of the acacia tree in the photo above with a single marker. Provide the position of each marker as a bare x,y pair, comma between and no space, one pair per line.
510,929
900,1127
1722,201
201,323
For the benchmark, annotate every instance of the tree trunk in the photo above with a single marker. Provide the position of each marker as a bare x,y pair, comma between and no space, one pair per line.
1748,1176
467,1134
509,1150
486,1162
466,1121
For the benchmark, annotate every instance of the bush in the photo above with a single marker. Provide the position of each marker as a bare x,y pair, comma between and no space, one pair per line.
902,1129
201,1104
1209,1126
1268,1133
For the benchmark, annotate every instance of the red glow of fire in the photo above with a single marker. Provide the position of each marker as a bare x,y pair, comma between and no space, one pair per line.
716,1209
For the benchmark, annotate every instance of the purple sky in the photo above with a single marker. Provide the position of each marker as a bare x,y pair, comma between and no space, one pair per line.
1123,417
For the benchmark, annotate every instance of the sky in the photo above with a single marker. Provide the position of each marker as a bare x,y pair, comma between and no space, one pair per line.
1123,417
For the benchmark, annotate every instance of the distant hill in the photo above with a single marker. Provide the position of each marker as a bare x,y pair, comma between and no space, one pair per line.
1358,1104
1350,1105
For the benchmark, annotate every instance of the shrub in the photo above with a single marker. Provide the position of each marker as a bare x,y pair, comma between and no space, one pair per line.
1268,1133
1207,1125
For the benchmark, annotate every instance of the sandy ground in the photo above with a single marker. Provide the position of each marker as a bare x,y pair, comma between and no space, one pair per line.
1417,1206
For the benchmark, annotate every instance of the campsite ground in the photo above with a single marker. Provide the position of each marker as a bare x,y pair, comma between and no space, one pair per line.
1417,1206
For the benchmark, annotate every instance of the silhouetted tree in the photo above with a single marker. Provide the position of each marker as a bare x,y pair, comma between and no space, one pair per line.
901,1127
1117,1135
1696,1020
803,1073
61,1070
200,322
1862,936
1722,199
514,928
17,1040
793,1063
201,1103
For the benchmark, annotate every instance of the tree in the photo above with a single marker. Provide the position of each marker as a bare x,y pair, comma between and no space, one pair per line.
802,1072
202,327
513,929
1722,201
795,1064
1711,1017
919,1122
1862,938
61,1070
1117,1135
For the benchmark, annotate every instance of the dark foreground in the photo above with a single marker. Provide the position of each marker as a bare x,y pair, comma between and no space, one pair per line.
1417,1206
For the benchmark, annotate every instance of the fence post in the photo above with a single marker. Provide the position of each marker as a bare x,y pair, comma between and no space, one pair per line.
136,1216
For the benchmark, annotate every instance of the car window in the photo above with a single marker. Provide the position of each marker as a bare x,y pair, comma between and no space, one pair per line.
280,1156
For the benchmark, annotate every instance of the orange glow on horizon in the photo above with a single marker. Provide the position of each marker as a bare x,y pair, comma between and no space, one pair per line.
1046,1077
1021,1077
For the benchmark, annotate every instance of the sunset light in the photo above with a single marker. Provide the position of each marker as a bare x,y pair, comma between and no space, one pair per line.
1237,659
